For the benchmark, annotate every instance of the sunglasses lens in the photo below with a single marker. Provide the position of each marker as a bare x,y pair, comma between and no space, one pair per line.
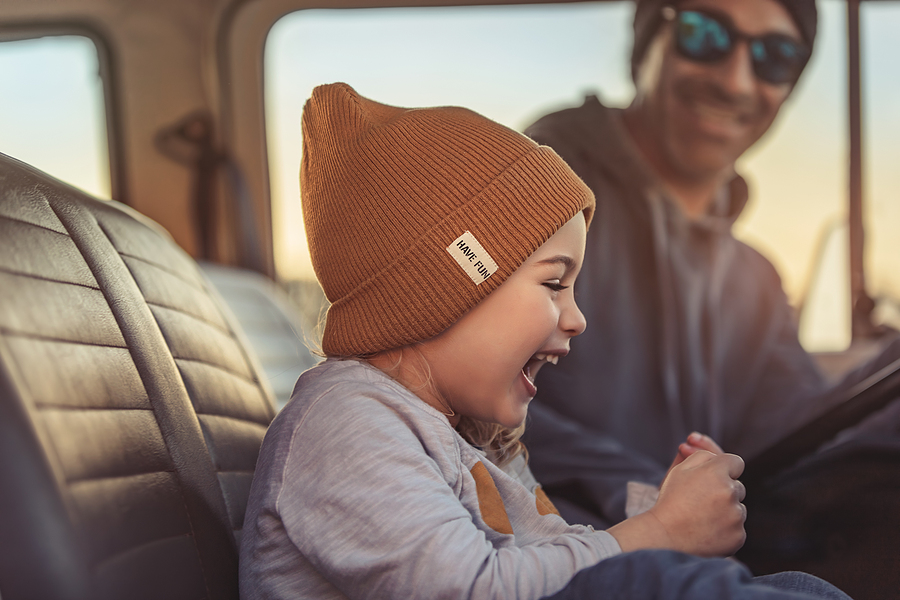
778,58
700,37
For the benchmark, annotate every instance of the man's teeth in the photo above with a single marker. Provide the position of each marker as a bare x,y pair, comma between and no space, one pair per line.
712,112
550,358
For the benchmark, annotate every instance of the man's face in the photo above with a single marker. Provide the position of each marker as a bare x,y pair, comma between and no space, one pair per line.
703,116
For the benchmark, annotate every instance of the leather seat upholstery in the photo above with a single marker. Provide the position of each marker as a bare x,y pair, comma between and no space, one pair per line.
131,410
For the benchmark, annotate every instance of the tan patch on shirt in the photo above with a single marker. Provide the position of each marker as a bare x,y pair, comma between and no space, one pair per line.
490,503
544,505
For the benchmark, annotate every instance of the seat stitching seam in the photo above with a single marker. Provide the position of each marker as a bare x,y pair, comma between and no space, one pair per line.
181,311
162,268
48,279
217,366
46,338
44,227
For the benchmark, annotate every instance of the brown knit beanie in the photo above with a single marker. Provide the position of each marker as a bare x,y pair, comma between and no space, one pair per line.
413,216
648,17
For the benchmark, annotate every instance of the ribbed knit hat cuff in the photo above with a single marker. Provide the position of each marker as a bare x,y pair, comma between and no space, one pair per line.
511,218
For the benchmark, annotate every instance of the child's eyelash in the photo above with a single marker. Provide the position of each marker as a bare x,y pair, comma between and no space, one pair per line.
555,286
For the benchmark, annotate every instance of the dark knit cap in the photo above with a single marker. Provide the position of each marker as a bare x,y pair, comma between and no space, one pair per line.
648,17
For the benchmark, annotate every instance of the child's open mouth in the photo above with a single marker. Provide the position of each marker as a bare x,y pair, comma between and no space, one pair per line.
531,368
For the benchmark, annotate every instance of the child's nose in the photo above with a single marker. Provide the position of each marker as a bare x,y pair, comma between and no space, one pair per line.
572,320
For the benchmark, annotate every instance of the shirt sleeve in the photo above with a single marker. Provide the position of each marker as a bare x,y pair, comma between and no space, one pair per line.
368,506
641,498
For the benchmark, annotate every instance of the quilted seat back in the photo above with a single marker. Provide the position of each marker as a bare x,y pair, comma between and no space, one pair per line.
131,411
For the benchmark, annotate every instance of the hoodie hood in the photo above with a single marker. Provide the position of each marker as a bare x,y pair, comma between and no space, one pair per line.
596,135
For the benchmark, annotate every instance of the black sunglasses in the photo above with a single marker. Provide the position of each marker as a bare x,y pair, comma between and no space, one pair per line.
703,37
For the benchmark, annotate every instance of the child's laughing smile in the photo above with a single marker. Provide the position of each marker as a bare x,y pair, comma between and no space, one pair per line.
530,371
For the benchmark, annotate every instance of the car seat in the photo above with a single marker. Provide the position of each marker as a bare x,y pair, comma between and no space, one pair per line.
131,409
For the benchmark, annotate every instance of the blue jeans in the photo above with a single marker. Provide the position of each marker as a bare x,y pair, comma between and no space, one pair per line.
669,575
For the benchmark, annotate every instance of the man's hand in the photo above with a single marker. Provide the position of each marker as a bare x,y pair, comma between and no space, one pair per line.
699,510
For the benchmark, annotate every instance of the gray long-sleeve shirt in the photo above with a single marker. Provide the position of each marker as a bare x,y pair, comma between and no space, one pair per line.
362,490
688,329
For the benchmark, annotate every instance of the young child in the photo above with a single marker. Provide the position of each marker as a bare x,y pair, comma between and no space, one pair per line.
448,246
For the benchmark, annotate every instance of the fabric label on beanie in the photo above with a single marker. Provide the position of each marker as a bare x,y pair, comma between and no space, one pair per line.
472,257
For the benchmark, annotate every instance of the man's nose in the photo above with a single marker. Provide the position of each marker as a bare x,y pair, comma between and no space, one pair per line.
736,76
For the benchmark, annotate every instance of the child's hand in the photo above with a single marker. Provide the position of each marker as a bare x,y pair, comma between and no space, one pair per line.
695,441
699,510
700,504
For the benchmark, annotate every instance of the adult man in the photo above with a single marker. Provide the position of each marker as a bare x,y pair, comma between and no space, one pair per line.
688,329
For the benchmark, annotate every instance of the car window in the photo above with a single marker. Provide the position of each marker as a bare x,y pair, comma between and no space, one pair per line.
52,112
880,22
500,61
798,184
515,63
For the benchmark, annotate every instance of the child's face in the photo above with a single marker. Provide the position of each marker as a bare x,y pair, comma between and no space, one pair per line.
485,364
